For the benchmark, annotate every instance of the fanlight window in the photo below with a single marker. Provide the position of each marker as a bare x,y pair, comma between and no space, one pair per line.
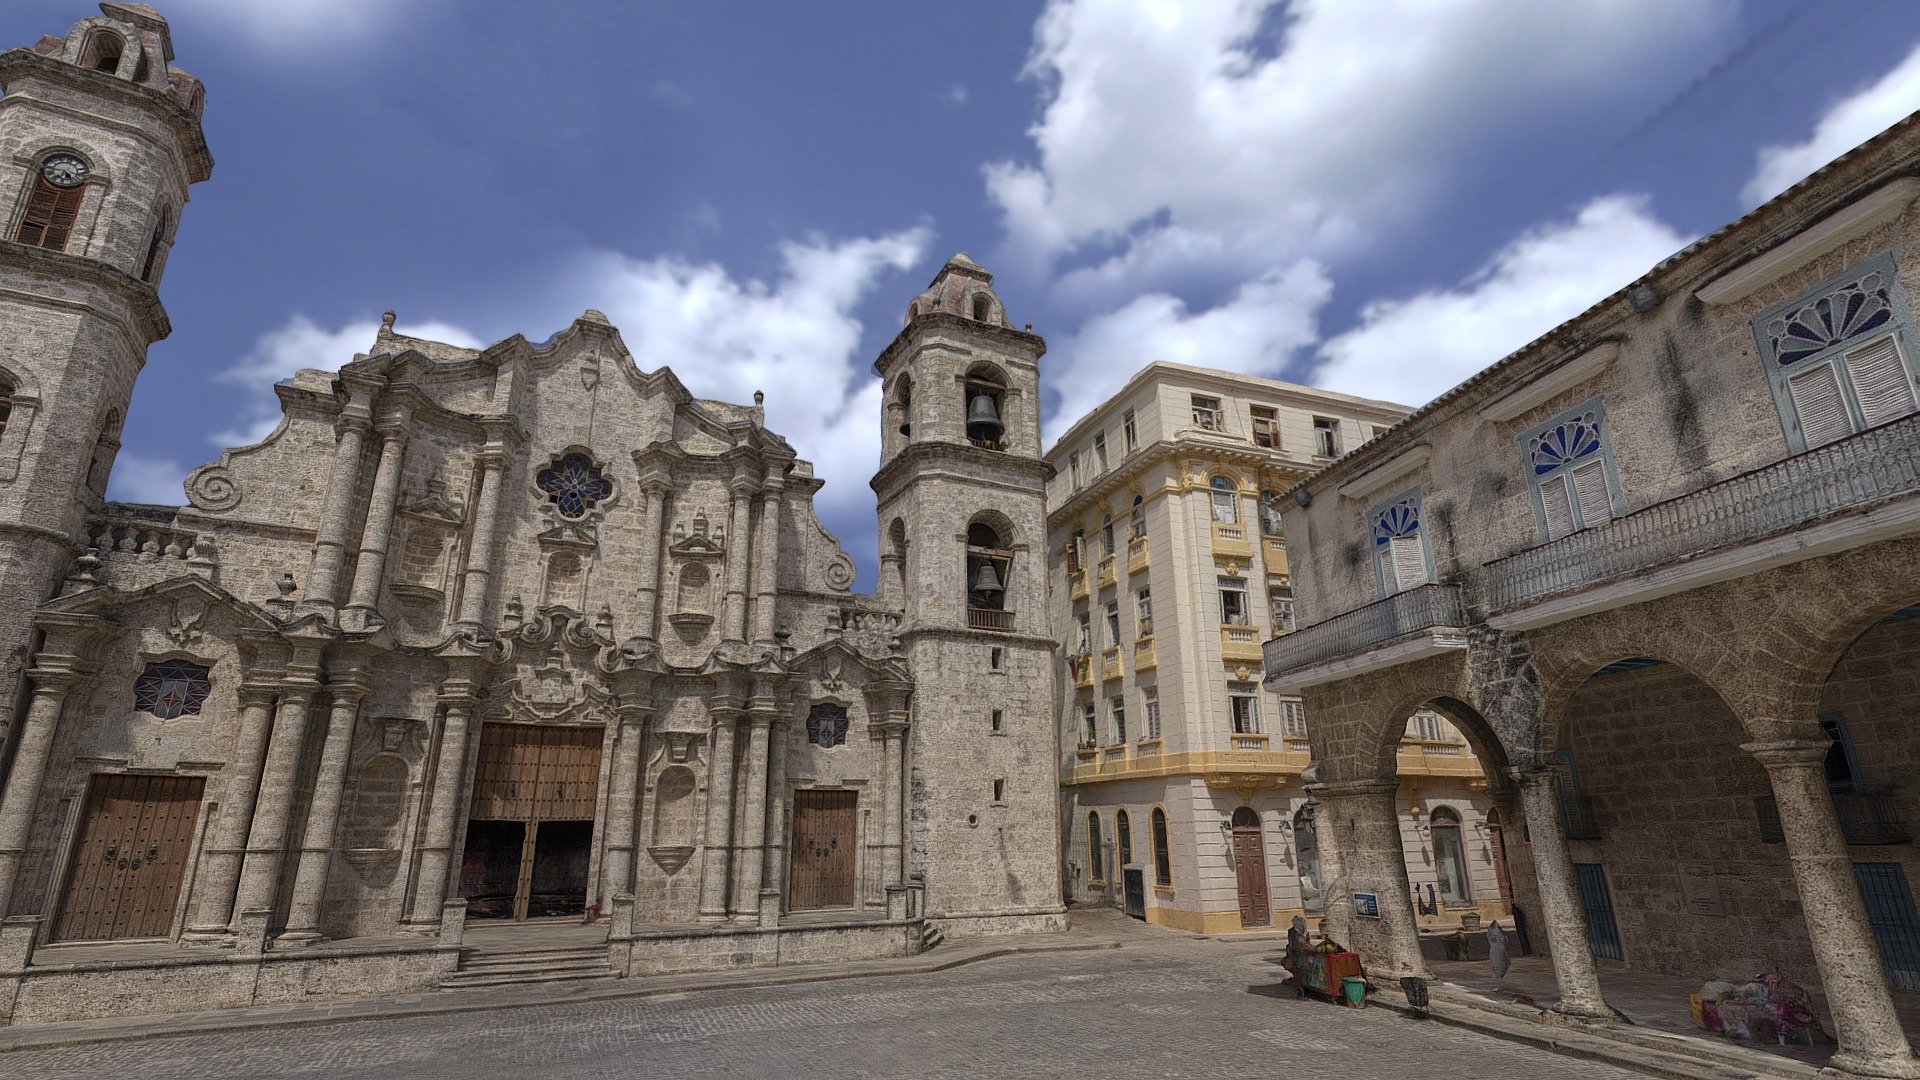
1399,550
172,688
1568,465
574,485
1839,356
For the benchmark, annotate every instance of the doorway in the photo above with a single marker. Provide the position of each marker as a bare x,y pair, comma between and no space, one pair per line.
1250,868
129,858
824,841
529,851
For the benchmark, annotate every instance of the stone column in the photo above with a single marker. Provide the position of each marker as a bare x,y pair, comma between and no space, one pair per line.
443,812
717,856
220,862
343,485
370,570
623,799
651,531
22,795
1565,917
1336,892
273,809
1375,862
349,686
766,555
739,550
1866,1025
773,863
479,569
750,857
893,756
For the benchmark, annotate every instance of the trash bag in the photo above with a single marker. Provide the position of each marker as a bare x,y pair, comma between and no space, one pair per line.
1497,957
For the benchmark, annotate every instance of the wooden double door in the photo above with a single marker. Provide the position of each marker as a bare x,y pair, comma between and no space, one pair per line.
529,850
129,858
825,838
1250,869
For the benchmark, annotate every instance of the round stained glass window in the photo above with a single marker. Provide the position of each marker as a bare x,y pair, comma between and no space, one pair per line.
574,485
172,688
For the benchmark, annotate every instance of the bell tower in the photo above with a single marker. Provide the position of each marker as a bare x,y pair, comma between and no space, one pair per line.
99,140
961,492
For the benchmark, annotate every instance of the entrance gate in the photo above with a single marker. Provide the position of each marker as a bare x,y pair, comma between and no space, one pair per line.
1250,868
130,857
823,846
530,826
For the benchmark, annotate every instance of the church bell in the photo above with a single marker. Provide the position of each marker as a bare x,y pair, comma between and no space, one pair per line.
986,582
983,419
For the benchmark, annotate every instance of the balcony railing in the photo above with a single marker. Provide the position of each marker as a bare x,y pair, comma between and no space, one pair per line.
1864,469
1866,818
1421,608
987,619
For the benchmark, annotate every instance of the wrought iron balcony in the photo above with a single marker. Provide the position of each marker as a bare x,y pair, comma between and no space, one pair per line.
1424,607
1869,467
985,619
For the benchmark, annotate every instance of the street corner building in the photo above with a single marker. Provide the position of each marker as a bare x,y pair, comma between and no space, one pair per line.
481,637
1661,567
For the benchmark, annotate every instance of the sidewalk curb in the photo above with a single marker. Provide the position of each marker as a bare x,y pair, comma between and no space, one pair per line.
457,1002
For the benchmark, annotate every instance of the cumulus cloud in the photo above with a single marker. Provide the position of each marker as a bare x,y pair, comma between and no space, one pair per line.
1412,349
1255,331
1846,125
303,343
140,479
1260,132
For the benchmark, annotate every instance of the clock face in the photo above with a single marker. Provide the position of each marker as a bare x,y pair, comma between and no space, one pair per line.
64,170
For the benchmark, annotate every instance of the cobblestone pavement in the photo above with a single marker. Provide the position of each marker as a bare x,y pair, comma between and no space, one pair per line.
1176,1009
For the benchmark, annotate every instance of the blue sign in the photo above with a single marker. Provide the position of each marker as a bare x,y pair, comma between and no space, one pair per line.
1366,905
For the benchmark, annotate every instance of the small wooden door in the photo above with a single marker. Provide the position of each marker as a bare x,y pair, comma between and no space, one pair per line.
1250,869
136,834
824,839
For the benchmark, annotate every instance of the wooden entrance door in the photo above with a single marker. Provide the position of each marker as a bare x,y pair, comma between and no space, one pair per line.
135,837
530,824
1250,869
824,838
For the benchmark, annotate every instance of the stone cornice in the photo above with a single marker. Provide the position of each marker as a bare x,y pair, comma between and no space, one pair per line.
959,454
1021,340
1134,465
185,124
141,299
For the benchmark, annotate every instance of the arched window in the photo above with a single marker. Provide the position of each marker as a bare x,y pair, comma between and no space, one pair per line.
54,205
897,555
1106,534
103,51
986,399
1449,858
903,402
1306,853
1096,862
7,390
153,246
1226,501
1162,858
989,570
105,446
695,595
1123,836
982,307
1270,513
1137,519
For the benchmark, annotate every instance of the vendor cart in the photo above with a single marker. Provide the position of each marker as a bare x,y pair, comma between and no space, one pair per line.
1319,972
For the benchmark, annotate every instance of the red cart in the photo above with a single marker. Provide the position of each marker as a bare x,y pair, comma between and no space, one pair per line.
1320,972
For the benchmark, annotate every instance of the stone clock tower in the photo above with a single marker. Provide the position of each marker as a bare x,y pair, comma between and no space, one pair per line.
99,140
961,492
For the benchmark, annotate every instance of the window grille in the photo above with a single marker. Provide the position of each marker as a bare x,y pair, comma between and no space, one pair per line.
172,688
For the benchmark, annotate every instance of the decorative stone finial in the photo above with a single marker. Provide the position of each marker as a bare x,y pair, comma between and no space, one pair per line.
386,322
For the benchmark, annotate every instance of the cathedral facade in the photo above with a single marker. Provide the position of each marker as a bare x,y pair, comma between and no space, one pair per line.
519,633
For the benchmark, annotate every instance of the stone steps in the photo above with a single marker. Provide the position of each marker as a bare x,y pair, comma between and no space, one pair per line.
519,967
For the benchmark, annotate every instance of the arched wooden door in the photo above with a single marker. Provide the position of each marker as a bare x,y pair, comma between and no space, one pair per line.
1250,868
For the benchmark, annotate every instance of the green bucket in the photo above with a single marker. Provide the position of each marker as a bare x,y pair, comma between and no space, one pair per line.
1354,989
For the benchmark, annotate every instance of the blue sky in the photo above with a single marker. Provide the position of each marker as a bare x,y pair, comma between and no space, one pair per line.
1379,197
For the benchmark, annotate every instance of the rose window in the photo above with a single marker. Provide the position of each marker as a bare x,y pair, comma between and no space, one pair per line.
171,688
574,485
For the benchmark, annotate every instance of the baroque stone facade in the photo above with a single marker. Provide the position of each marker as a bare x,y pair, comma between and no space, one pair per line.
1662,568
487,634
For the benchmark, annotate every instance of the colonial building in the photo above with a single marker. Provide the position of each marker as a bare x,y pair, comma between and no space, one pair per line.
1661,567
1180,774
481,634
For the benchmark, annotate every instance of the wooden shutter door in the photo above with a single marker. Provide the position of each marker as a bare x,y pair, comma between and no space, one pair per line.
1880,381
1557,507
1590,491
1409,561
1818,404
136,835
824,839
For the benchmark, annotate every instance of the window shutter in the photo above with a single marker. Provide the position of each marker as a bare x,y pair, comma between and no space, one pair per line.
1409,561
1557,506
66,209
1590,491
1817,401
33,224
1880,381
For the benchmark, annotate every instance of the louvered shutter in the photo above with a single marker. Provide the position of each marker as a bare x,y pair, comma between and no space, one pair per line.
1880,381
1590,491
1557,507
66,210
33,224
1409,561
1817,401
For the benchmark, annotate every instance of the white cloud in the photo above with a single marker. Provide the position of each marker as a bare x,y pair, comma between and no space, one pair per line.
1411,350
957,94
1254,331
302,343
1846,125
139,479
1265,133
289,27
